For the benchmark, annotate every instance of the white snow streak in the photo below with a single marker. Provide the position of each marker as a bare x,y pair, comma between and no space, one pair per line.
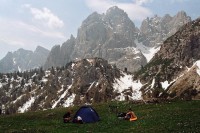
69,101
26,105
91,86
62,96
18,99
153,82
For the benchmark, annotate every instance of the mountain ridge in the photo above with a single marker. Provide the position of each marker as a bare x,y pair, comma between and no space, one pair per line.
178,53
22,60
112,34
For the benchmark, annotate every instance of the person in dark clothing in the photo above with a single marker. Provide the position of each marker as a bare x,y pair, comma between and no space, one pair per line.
67,116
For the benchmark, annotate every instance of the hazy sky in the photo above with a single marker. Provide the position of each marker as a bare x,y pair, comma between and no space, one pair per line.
29,23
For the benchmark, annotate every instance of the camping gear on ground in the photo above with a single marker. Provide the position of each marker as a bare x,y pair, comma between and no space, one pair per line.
127,116
87,114
121,115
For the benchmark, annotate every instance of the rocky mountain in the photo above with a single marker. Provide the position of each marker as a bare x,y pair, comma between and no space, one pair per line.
174,70
110,36
155,30
60,55
85,81
114,37
22,60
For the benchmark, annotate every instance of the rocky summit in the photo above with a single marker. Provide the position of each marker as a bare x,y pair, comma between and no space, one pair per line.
155,30
114,37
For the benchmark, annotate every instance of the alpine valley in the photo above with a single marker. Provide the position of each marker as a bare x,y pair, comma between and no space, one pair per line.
110,59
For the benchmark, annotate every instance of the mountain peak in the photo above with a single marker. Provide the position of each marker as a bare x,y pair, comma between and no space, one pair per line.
94,17
182,15
40,49
114,8
115,11
72,37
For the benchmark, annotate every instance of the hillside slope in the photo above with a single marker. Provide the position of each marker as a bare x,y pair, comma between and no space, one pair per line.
85,81
164,117
168,70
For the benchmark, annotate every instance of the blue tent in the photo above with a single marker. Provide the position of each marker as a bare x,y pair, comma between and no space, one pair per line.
88,114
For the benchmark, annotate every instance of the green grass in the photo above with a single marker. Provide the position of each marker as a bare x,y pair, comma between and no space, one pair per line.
173,117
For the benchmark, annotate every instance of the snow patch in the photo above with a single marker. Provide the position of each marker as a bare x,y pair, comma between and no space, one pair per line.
34,75
97,84
69,101
125,82
91,86
148,52
61,97
73,64
137,57
14,61
62,87
90,61
47,74
198,65
165,84
19,69
153,82
44,80
26,105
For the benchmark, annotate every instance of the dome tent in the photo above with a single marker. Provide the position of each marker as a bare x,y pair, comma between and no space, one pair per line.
88,114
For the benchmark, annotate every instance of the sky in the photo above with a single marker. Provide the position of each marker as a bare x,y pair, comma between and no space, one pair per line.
30,23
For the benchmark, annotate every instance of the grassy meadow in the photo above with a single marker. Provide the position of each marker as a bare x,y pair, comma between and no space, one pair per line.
170,117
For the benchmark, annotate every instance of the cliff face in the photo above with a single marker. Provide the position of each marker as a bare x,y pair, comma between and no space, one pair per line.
110,36
60,55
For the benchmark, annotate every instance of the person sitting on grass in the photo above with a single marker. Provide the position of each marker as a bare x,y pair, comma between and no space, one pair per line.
67,116
130,115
